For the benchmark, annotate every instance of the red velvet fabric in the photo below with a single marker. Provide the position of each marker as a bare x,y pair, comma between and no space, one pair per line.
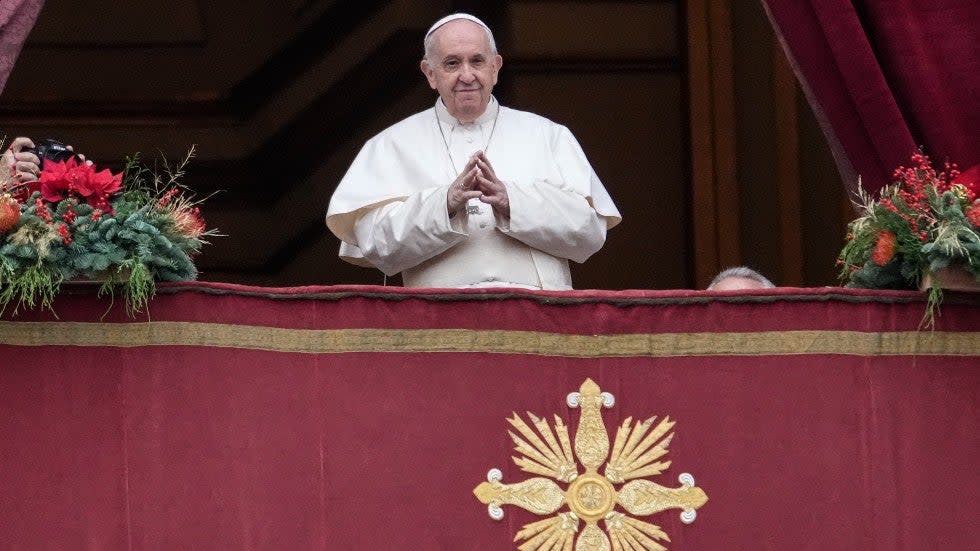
17,18
886,76
186,446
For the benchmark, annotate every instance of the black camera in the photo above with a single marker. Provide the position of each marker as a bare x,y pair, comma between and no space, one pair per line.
48,149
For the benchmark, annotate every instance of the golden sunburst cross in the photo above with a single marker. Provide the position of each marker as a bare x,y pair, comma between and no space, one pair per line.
590,496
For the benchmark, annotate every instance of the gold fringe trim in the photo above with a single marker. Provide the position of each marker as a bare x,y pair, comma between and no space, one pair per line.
334,341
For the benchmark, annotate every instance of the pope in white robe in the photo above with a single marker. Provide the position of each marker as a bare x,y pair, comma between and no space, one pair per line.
470,193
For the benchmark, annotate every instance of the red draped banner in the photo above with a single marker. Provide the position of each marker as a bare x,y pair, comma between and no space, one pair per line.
887,76
17,18
363,417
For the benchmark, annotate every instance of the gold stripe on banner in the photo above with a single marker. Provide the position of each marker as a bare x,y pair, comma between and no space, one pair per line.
332,341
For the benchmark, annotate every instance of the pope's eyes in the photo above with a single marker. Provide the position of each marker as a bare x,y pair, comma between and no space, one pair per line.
454,64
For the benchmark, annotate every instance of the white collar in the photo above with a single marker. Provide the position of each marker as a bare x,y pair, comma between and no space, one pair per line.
488,114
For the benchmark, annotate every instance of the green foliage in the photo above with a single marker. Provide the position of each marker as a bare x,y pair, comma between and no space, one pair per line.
33,286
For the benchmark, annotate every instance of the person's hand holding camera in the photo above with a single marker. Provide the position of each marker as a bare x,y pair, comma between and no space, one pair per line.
24,159
18,166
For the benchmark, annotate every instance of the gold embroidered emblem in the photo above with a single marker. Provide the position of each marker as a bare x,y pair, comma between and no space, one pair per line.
636,454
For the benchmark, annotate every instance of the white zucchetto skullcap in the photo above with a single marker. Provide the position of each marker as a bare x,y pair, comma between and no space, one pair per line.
453,17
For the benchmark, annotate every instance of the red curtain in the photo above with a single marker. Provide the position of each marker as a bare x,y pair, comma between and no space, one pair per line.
362,418
886,76
17,18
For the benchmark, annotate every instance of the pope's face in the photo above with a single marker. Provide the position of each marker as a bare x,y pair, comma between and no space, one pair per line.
462,68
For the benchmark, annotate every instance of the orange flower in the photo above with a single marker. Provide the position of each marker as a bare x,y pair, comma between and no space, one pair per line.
9,212
884,249
973,213
188,221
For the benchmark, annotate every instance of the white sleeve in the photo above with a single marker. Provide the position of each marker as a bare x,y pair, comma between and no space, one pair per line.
565,213
555,220
403,234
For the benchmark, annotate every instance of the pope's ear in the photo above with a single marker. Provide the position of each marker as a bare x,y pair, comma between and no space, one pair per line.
499,62
429,73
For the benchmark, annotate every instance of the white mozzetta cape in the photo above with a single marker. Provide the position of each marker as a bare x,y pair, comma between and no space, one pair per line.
390,209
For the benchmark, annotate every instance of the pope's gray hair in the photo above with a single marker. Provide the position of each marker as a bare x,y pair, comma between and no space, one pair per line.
427,44
741,271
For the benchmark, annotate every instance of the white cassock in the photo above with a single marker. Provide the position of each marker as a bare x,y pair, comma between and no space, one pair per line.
390,209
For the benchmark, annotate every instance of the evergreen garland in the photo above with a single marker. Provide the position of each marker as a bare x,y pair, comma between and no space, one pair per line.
148,230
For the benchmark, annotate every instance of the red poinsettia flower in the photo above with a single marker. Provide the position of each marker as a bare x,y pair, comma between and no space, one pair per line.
884,249
96,187
65,178
58,180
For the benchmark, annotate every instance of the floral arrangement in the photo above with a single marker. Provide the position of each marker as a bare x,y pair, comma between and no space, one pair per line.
126,230
924,222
